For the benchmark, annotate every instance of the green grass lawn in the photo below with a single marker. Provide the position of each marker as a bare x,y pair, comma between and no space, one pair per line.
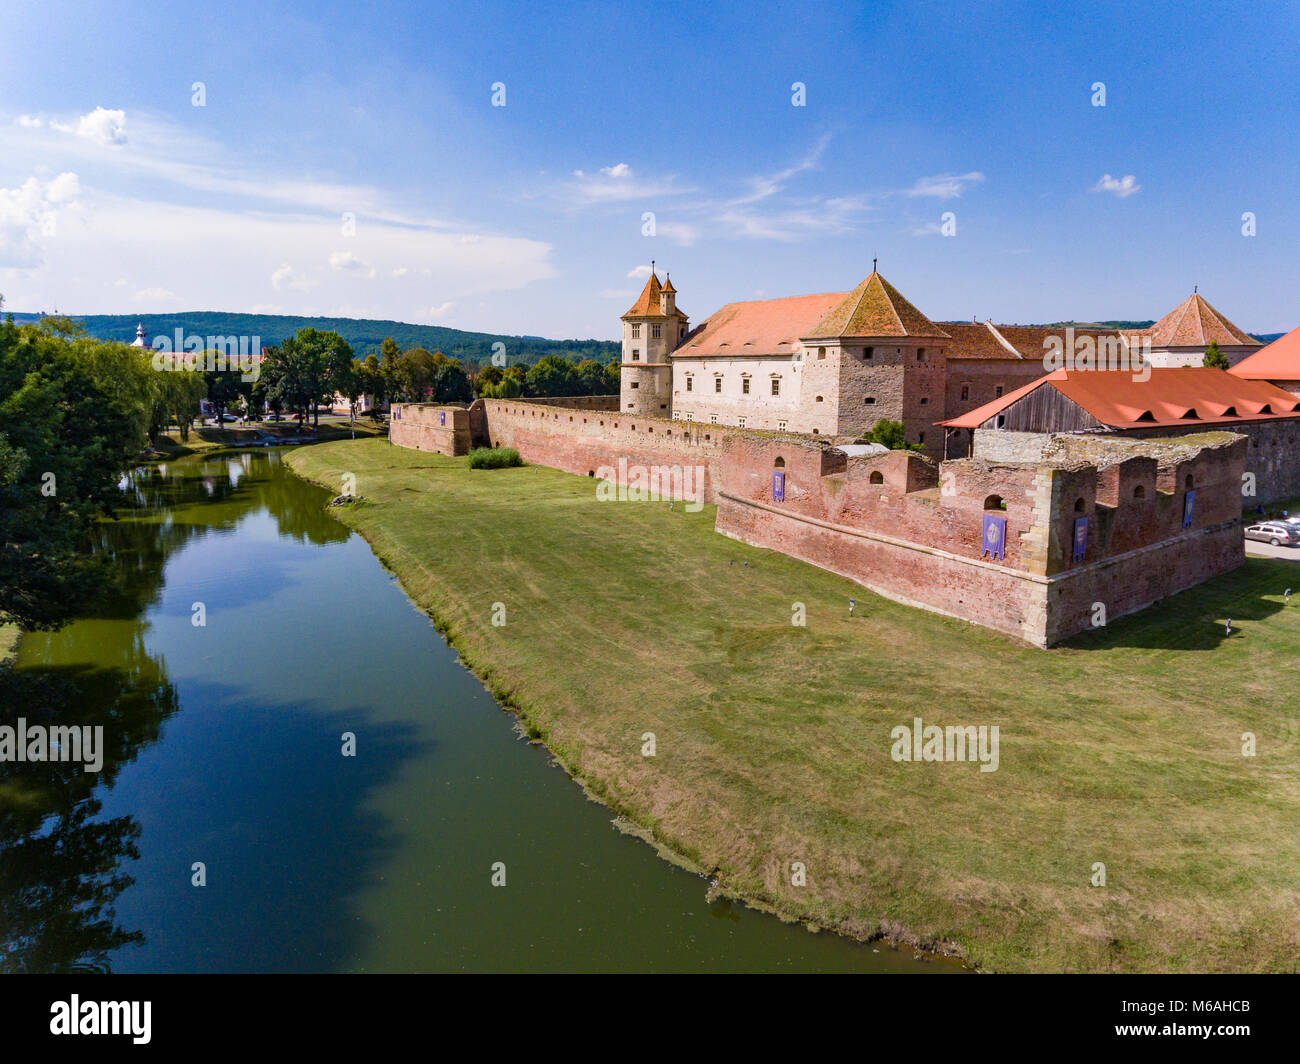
773,741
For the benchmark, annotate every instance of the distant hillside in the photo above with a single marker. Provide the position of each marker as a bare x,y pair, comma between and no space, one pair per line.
364,334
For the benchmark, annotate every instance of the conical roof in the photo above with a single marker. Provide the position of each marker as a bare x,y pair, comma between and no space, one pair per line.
648,304
1194,323
875,308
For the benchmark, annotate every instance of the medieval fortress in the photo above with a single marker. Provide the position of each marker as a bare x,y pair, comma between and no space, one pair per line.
1060,477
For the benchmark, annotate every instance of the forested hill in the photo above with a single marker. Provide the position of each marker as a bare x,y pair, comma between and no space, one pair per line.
364,334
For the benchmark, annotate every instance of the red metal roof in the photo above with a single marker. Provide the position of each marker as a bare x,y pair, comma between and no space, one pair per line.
1189,395
1279,361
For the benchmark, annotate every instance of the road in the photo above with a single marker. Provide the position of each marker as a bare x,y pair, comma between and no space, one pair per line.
1258,549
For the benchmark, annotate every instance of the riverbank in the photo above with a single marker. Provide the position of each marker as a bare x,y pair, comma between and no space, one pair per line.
773,740
204,440
10,636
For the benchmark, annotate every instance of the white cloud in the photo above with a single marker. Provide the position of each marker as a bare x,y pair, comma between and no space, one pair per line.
639,271
286,277
620,170
617,184
29,214
945,186
929,229
1122,187
764,186
101,126
28,121
345,260
401,271
154,295
442,310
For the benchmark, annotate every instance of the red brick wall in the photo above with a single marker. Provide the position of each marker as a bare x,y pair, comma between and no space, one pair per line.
417,425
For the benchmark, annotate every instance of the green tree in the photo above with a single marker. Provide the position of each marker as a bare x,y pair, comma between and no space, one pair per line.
298,371
892,435
1214,358
450,384
552,376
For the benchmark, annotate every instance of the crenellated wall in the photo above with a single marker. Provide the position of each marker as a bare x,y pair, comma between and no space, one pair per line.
904,525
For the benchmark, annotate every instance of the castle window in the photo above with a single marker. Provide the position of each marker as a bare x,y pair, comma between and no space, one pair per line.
821,352
920,354
997,392
744,385
690,384
1187,484
1000,422
717,384
713,419
779,463
682,335
819,398
656,332
868,352
876,477
636,332
870,400
924,400
1078,506
1139,492
636,354
780,426
920,438
688,416
741,422
776,385
994,502
965,392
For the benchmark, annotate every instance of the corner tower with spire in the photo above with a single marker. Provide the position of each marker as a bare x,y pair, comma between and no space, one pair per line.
652,329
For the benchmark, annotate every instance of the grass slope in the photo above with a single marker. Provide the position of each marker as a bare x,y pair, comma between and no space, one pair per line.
773,740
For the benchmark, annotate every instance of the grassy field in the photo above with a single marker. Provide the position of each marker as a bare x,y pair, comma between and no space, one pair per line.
773,741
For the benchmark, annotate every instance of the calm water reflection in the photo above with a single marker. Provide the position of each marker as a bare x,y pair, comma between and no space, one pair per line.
224,747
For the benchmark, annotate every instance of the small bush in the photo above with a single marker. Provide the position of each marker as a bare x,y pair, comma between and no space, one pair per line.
494,458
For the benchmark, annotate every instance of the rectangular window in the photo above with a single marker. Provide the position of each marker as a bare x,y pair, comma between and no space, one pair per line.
965,392
690,382
636,332
920,354
921,438
867,352
780,425
717,384
776,385
744,385
741,422
713,419
656,331
924,400
688,416
636,354
997,392
636,384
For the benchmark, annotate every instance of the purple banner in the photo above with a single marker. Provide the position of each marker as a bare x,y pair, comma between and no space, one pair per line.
995,536
442,417
1080,538
778,486
1189,507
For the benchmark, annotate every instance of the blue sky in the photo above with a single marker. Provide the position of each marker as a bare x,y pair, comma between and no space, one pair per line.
118,195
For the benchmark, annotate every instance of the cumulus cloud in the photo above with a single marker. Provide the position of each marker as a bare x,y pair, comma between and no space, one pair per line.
1123,187
345,260
28,121
619,170
285,276
30,213
639,271
945,186
101,126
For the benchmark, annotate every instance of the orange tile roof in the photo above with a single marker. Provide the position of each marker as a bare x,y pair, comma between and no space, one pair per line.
760,327
1194,323
1187,395
648,304
1279,361
875,308
984,340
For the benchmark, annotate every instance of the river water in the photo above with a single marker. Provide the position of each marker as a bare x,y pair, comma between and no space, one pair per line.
225,748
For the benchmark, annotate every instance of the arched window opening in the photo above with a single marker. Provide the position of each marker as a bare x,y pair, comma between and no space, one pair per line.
994,502
876,477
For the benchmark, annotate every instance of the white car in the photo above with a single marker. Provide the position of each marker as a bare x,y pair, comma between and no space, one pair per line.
1277,533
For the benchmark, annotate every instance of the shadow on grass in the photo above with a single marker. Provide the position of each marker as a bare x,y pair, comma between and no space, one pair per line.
1196,619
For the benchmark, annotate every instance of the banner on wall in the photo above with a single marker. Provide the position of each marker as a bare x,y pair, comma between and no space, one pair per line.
442,417
1080,538
1189,506
995,536
778,486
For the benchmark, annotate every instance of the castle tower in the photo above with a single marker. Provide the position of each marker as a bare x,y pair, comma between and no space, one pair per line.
652,329
875,357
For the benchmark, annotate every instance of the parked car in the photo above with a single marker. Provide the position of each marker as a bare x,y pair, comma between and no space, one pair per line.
1275,532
